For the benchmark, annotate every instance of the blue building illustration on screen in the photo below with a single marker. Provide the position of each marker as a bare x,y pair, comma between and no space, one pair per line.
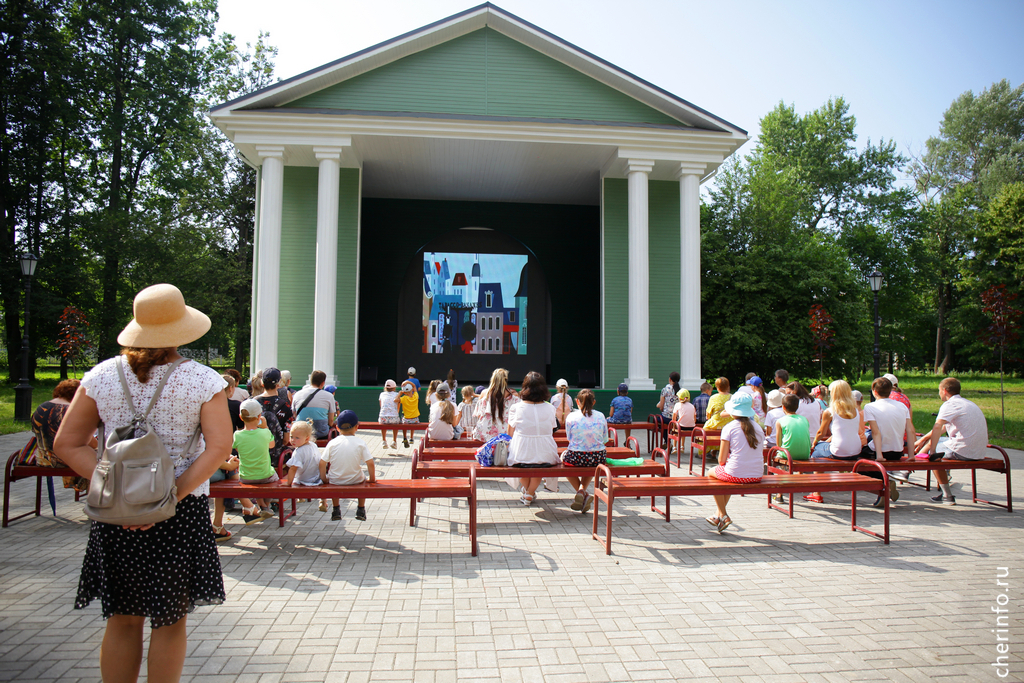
474,303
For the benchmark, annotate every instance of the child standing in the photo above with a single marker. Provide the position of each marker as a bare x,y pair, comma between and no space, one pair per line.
622,407
466,418
253,445
342,462
389,413
409,399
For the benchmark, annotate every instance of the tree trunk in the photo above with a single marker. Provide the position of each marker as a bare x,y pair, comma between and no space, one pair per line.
107,342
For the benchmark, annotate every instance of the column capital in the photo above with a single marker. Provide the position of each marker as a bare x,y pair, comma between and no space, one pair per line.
639,165
690,168
270,151
325,153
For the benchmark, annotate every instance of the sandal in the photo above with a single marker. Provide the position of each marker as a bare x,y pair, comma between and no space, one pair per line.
577,502
712,520
527,499
814,498
588,500
220,534
723,524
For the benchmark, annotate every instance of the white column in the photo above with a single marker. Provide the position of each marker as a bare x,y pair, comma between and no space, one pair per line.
326,261
269,255
689,274
639,275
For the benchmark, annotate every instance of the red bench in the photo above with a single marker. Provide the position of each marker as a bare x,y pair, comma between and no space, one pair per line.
702,440
1000,465
381,488
13,473
607,488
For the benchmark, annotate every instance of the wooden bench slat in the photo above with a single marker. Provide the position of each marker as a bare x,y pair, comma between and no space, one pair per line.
907,464
608,488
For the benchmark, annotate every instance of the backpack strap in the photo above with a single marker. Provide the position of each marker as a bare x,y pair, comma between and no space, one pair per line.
156,394
144,416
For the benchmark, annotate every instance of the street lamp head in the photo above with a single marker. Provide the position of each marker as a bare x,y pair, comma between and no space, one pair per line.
875,280
28,264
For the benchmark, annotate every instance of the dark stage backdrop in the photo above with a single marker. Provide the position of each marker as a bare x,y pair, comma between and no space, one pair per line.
563,243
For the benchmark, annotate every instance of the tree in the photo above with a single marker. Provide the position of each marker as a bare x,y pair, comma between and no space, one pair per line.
73,341
979,149
782,231
821,333
1002,332
149,61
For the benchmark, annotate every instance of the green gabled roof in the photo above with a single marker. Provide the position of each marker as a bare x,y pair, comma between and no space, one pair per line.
483,63
483,73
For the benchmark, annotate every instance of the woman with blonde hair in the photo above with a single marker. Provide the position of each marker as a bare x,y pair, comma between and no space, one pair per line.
492,407
845,423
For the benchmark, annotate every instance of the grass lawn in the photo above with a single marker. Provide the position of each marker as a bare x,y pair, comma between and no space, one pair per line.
982,389
42,390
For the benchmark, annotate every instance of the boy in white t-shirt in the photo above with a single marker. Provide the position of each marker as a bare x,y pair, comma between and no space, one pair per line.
342,462
775,413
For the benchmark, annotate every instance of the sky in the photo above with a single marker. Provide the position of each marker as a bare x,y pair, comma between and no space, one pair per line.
899,64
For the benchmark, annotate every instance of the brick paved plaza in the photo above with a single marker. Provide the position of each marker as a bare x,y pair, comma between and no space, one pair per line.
772,599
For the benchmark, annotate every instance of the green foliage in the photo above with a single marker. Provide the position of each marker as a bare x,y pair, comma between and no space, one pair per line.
784,231
112,172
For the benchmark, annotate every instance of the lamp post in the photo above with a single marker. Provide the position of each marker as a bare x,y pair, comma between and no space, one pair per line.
875,280
23,392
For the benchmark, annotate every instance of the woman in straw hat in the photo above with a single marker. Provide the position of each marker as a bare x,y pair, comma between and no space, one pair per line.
164,570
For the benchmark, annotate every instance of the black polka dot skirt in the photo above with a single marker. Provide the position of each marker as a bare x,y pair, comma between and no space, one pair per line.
162,573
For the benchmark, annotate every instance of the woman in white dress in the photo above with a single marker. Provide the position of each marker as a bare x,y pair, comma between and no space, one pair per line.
531,424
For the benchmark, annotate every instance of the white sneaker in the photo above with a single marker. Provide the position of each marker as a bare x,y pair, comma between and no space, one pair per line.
385,446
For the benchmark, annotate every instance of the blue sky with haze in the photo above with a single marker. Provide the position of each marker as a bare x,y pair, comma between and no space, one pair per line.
899,64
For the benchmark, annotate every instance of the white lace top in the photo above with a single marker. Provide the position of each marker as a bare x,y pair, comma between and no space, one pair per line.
176,414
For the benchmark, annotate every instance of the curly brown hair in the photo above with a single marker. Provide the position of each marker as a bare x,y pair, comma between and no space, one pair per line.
66,389
141,361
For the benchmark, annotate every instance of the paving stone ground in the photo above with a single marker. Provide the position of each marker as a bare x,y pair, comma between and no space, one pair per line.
773,599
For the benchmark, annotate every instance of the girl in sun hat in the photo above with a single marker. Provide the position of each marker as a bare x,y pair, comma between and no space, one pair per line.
740,459
562,402
165,570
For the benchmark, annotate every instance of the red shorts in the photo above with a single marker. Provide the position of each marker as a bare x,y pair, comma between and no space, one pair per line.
719,474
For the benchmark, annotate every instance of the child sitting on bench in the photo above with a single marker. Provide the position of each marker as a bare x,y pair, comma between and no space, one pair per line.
740,458
253,445
342,462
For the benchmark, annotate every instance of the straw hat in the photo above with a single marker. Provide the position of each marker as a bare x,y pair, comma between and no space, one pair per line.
162,320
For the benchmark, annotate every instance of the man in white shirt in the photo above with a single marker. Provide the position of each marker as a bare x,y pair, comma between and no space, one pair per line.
891,427
890,422
964,424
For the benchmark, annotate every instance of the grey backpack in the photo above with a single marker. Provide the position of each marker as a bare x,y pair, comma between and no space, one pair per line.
133,483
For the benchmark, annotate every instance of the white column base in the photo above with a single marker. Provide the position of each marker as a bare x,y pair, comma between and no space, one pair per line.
691,384
641,384
332,380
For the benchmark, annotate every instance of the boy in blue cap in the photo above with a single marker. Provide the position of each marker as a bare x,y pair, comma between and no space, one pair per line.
342,462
